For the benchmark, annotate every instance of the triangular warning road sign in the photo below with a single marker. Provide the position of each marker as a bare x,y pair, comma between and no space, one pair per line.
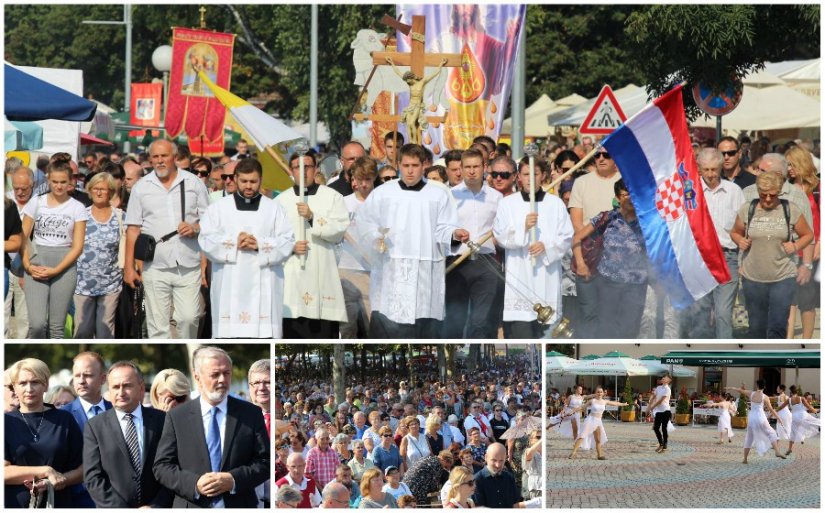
605,116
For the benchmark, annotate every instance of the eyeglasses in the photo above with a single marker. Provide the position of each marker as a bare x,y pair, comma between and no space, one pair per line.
180,398
768,194
471,482
203,173
602,154
227,178
386,436
497,410
387,178
504,175
566,169
260,384
730,153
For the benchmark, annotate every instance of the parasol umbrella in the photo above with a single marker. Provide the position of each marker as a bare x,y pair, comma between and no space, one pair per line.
556,363
524,425
613,364
27,98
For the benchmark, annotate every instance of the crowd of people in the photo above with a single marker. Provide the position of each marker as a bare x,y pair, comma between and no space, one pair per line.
113,440
428,443
168,245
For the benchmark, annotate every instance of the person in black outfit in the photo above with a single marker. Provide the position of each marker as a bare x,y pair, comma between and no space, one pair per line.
12,240
498,422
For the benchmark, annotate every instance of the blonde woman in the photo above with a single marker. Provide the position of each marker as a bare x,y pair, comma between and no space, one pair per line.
431,430
170,388
42,442
373,495
802,174
462,487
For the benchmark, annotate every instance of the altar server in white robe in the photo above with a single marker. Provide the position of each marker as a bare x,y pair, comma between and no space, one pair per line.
313,297
417,222
247,237
528,283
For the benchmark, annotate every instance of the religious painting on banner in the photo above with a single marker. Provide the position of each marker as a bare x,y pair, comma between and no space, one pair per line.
474,95
192,107
146,106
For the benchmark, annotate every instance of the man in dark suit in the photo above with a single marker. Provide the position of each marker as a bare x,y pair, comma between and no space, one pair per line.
119,446
214,450
88,376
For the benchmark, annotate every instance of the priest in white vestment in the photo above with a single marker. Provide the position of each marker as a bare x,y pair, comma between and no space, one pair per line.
408,225
247,237
528,283
313,298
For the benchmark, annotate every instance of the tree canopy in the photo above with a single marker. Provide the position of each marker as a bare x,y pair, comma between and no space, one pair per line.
570,49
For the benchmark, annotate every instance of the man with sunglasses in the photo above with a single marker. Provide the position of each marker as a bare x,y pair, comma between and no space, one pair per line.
227,177
592,194
471,287
731,166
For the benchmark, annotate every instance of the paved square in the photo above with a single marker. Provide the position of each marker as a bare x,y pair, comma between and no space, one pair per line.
695,472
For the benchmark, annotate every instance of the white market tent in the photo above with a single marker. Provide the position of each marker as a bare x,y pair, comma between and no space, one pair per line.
557,363
535,116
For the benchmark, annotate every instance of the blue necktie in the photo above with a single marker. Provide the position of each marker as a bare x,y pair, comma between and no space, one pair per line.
213,441
95,410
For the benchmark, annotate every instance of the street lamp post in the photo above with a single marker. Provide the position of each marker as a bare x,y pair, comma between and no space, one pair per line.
127,21
162,61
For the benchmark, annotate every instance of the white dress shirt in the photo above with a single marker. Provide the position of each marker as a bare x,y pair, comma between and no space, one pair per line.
476,213
87,407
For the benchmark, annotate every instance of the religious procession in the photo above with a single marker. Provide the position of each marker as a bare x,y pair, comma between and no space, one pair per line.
710,425
424,198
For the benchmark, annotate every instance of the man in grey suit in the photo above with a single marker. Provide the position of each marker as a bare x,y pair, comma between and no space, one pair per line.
214,450
119,446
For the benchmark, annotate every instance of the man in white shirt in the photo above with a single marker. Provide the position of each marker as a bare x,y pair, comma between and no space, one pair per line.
659,408
477,419
724,199
472,286
414,222
173,278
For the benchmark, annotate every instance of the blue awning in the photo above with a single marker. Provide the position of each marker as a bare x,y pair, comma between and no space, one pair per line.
28,98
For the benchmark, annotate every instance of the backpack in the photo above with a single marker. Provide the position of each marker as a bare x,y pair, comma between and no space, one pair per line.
786,208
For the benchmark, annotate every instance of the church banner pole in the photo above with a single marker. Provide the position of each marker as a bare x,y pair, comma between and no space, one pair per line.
532,150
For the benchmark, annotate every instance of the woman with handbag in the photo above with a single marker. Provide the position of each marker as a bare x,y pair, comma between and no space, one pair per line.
58,222
100,266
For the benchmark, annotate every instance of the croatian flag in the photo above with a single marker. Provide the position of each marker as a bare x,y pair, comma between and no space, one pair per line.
655,158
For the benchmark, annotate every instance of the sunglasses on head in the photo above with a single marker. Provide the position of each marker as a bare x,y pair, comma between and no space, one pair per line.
602,154
504,175
227,177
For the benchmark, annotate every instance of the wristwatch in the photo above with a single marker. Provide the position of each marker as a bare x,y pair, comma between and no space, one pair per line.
809,266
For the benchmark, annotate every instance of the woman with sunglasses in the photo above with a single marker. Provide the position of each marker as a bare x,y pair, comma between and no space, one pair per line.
769,241
462,486
387,454
170,389
498,422
203,168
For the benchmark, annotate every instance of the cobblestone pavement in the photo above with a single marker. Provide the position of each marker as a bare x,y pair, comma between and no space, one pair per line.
695,472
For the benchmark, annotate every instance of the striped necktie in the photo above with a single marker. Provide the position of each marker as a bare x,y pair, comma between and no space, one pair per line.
134,453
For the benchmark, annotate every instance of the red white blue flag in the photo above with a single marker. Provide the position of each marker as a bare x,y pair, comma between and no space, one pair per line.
654,156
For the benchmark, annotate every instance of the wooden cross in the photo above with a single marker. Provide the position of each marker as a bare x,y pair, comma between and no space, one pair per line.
417,59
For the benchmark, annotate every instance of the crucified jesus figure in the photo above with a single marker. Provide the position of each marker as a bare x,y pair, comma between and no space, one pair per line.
414,115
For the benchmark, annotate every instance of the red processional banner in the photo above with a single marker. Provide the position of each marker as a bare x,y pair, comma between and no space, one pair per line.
147,106
192,107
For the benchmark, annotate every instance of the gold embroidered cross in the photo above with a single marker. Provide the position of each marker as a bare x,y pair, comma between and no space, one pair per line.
228,244
244,317
267,248
322,221
308,298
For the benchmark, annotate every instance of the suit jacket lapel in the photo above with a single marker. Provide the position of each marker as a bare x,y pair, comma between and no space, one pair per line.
117,434
197,419
229,434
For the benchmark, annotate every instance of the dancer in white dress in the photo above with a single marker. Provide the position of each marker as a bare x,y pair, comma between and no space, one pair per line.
760,433
727,409
592,430
804,425
569,427
783,431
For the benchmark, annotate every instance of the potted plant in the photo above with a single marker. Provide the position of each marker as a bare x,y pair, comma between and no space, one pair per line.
628,413
682,417
740,421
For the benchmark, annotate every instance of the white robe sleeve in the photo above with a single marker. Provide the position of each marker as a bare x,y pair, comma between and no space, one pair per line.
278,246
556,233
331,224
216,241
509,234
447,224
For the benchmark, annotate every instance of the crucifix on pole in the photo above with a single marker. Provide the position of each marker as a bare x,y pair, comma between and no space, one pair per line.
417,59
